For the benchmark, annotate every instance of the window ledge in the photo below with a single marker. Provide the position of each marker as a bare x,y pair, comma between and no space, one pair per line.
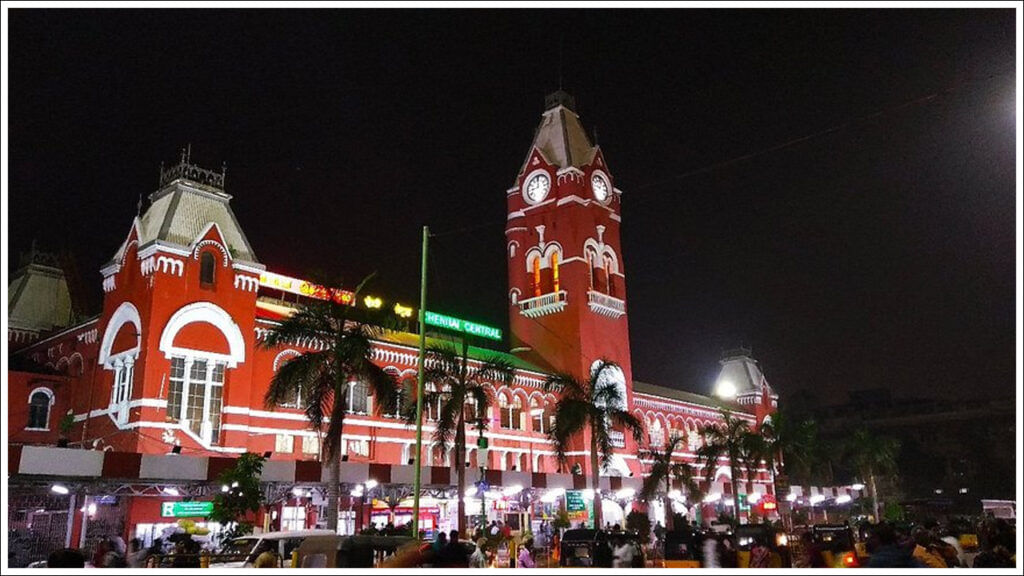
544,304
36,429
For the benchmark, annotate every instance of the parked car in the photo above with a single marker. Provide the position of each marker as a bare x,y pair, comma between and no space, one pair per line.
242,552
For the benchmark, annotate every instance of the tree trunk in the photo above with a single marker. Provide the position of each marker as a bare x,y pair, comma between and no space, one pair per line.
595,478
874,495
735,496
333,481
460,473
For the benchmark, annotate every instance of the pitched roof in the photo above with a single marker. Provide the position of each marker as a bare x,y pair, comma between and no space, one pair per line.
38,299
180,212
684,396
560,137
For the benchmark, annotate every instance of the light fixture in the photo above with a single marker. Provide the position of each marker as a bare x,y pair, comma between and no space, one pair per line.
513,490
858,486
726,389
372,302
171,491
588,494
370,484
754,497
938,490
298,492
234,484
625,493
59,489
843,499
224,488
963,490
712,497
791,497
471,490
675,494
92,509
817,499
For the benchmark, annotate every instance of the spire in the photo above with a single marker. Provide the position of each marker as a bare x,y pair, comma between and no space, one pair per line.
560,137
559,98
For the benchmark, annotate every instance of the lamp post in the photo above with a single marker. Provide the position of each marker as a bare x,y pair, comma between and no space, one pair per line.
419,387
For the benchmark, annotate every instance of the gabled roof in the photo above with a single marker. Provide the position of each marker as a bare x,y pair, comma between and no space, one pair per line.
561,138
742,371
179,213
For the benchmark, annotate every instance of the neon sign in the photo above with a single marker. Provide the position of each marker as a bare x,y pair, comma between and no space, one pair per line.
458,325
304,288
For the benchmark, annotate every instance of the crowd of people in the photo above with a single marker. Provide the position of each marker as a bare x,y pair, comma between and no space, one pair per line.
934,545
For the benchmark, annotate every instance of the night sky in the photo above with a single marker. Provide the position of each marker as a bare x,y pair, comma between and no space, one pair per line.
878,253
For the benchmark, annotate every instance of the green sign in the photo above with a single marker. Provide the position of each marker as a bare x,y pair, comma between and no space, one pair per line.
457,325
185,509
574,501
744,505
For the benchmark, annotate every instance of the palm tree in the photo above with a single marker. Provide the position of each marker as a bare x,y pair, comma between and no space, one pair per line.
872,456
457,385
789,446
596,405
729,440
664,470
321,378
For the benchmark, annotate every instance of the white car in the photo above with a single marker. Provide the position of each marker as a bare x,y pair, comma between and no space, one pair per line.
245,547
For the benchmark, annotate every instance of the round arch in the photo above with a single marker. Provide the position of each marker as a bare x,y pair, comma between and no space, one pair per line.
124,314
212,314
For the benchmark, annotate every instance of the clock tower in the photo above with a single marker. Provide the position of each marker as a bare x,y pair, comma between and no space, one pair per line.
567,289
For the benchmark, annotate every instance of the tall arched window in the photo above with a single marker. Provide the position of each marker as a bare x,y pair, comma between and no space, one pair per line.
537,415
207,268
608,276
39,411
536,277
554,271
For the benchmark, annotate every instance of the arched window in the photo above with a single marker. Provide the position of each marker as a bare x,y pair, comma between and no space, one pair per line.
207,268
511,411
536,277
537,416
39,410
195,395
608,276
554,271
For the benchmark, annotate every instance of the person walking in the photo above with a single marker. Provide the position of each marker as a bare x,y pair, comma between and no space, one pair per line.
525,559
478,559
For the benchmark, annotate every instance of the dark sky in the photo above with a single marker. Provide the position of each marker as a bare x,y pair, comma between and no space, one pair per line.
878,254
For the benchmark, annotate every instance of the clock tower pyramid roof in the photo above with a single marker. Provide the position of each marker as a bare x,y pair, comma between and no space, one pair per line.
560,137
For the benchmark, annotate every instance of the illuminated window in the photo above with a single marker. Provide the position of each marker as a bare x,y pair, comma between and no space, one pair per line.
608,276
536,277
39,411
536,416
310,445
511,413
196,395
554,270
207,267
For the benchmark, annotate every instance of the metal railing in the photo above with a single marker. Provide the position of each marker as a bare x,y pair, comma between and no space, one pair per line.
544,304
605,305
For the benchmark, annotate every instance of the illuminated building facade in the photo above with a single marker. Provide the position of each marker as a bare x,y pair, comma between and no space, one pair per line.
175,360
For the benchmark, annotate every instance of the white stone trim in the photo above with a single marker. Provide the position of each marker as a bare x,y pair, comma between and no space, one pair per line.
247,283
124,314
210,313
169,265
109,283
210,242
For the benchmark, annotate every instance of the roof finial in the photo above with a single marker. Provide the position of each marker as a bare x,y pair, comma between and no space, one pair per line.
188,159
138,208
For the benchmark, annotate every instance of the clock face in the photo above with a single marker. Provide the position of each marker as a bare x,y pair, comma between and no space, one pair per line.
600,186
537,187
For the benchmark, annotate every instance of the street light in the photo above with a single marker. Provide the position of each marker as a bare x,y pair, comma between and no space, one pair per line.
858,486
843,499
59,489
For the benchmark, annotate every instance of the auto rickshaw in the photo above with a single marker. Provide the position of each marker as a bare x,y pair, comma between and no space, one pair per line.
682,549
838,545
775,539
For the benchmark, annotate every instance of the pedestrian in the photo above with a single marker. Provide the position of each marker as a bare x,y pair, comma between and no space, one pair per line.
525,560
623,553
478,559
924,551
760,556
493,529
710,553
886,551
453,554
729,558
66,558
603,555
137,554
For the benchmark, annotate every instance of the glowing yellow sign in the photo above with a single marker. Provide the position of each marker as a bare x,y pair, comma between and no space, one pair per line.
372,302
304,288
403,311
